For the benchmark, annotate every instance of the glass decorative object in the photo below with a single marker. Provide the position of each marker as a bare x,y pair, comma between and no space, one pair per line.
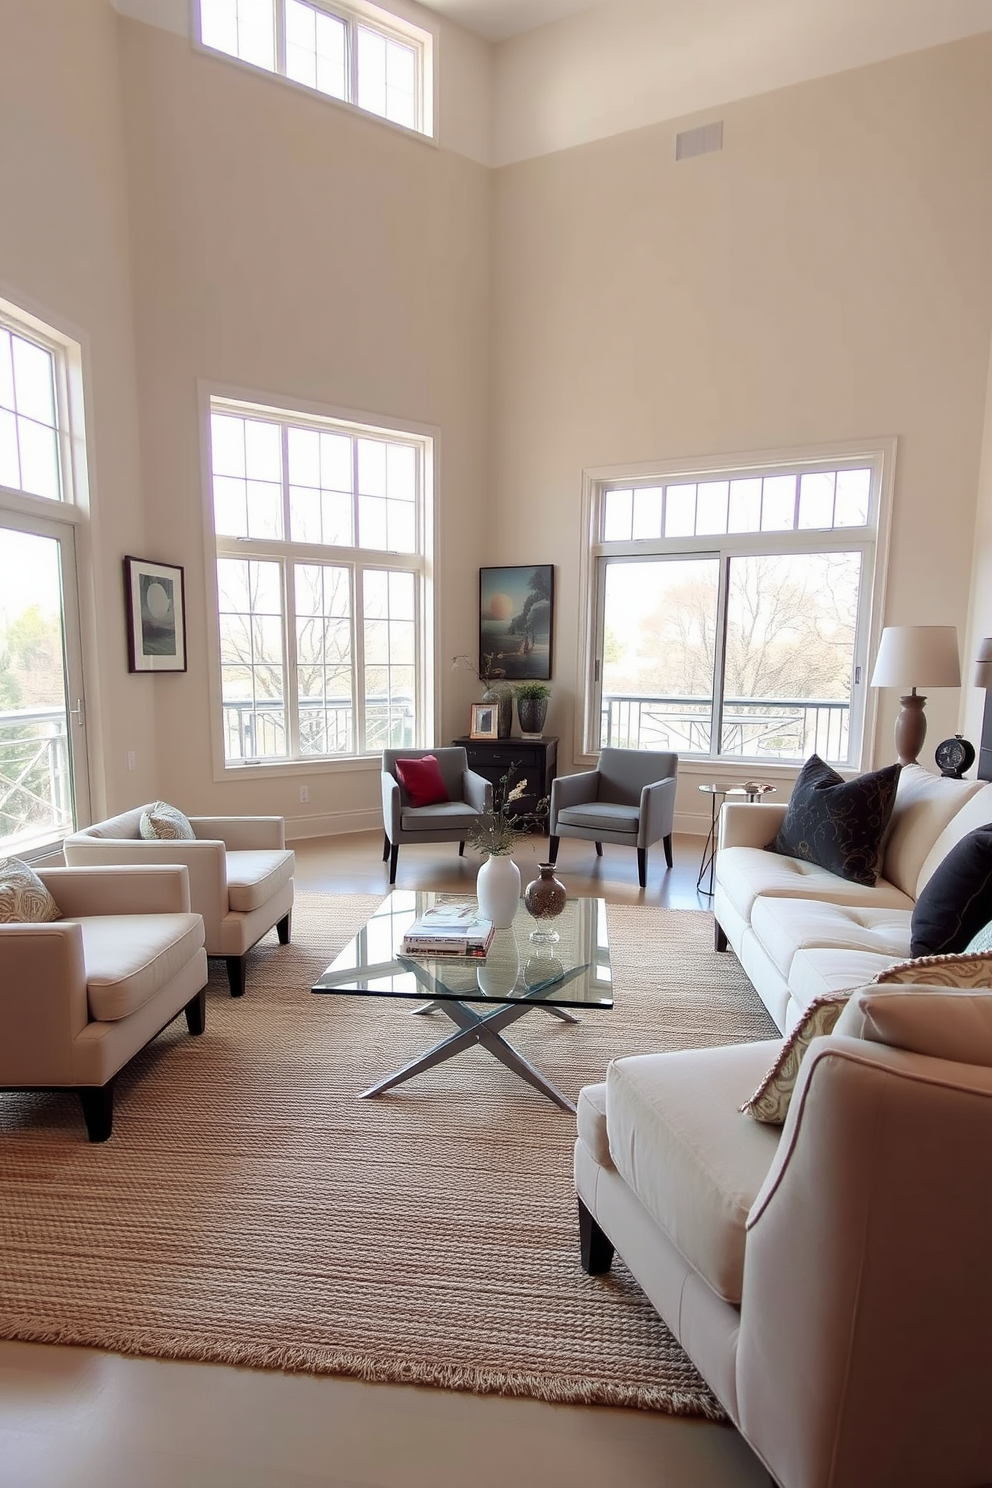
544,898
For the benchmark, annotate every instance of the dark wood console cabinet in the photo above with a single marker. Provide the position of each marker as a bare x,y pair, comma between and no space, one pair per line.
534,760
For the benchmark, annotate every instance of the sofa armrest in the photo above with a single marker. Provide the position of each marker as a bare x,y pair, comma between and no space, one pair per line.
42,1001
144,888
242,833
657,811
205,862
750,823
391,806
571,790
477,791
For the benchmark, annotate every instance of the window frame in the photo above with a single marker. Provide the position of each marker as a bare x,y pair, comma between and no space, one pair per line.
301,413
391,23
873,540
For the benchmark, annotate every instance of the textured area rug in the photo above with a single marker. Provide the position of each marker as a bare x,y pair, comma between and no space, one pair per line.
250,1209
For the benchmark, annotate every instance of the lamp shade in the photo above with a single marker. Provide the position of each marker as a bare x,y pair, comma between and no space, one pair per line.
983,664
912,656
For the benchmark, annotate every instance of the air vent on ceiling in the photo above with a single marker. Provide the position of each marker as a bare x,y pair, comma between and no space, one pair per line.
699,141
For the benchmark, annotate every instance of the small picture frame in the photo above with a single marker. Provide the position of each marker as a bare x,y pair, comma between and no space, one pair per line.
485,721
155,600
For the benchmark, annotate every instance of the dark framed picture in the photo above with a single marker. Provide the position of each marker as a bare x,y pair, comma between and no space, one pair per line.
485,721
516,622
156,616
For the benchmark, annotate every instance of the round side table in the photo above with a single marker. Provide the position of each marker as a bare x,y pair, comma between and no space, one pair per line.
751,790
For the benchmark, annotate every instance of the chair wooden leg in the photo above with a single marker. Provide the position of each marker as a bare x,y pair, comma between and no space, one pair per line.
719,938
667,844
385,847
394,853
553,850
97,1102
461,849
599,849
196,1012
642,867
237,974
283,927
595,1247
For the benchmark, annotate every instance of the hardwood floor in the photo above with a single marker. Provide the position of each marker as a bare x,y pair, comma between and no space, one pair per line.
78,1418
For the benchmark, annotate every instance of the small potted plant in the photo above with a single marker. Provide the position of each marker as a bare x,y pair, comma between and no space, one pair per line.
532,708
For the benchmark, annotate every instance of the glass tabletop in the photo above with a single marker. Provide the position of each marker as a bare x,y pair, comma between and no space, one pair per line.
572,972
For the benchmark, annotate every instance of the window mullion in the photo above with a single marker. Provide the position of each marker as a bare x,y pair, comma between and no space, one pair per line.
352,60
291,688
719,659
279,21
358,652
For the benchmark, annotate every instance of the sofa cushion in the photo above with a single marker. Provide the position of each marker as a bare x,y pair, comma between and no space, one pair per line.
925,805
785,926
839,824
422,780
24,899
821,970
957,900
696,1164
129,958
166,823
744,873
601,816
955,1025
255,877
976,812
445,817
770,1102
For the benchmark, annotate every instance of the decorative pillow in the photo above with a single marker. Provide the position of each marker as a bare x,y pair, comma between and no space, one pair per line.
836,823
165,822
940,1024
770,1102
24,900
422,780
969,969
982,941
957,900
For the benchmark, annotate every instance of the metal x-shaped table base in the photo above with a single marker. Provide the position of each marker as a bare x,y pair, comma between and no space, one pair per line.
484,1030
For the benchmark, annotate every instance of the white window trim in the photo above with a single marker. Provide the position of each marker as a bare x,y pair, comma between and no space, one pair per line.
251,401
402,22
880,452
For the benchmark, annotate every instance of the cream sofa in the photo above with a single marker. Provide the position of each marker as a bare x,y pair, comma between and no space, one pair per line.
240,875
81,995
830,1278
801,932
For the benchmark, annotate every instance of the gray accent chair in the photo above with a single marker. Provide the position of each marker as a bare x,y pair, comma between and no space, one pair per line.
629,799
449,821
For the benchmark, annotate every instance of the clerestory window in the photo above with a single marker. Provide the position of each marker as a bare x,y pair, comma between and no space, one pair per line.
356,53
732,609
322,533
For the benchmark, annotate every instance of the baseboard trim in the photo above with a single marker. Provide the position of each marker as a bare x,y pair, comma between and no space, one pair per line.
332,824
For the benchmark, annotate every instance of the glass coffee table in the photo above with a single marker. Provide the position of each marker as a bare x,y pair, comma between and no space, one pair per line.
481,998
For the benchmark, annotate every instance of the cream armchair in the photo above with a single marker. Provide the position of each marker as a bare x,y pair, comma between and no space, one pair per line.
81,995
830,1278
240,875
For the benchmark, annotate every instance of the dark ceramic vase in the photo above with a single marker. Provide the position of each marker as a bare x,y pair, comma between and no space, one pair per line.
544,897
501,693
532,712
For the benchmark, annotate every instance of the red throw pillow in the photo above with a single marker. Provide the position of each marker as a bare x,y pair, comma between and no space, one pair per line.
422,780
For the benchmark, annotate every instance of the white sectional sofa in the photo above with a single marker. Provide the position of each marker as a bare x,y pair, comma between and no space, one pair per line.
800,931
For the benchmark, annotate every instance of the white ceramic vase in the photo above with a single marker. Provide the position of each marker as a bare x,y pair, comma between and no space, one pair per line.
498,890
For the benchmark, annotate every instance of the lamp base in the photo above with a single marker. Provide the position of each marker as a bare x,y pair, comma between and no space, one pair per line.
911,729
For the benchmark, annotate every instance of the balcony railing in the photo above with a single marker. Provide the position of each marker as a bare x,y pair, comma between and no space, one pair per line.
35,778
753,728
255,731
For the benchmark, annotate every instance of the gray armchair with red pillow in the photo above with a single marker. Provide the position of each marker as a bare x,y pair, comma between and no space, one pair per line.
429,796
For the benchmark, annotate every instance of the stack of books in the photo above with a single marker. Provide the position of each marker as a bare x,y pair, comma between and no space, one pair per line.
449,930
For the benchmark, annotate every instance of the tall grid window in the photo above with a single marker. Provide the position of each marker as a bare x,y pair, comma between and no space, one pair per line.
356,53
320,531
732,611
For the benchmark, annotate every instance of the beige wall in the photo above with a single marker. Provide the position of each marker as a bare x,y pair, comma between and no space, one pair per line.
286,246
827,277
64,254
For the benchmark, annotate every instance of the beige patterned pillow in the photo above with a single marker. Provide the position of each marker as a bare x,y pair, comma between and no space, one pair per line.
166,823
770,1102
24,900
966,969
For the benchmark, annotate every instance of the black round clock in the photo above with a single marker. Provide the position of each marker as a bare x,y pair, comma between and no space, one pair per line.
954,756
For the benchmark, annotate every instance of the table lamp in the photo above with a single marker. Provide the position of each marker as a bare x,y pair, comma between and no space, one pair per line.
912,656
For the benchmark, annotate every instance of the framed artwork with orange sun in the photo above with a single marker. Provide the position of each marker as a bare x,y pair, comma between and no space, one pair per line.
516,622
156,616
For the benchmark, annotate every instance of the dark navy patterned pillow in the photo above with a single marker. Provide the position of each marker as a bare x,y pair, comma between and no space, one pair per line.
957,900
839,824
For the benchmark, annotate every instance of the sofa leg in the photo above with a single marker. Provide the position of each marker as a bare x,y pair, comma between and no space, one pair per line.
237,974
642,867
283,928
97,1102
599,849
553,850
719,938
596,1247
394,853
385,847
666,843
461,849
196,1012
